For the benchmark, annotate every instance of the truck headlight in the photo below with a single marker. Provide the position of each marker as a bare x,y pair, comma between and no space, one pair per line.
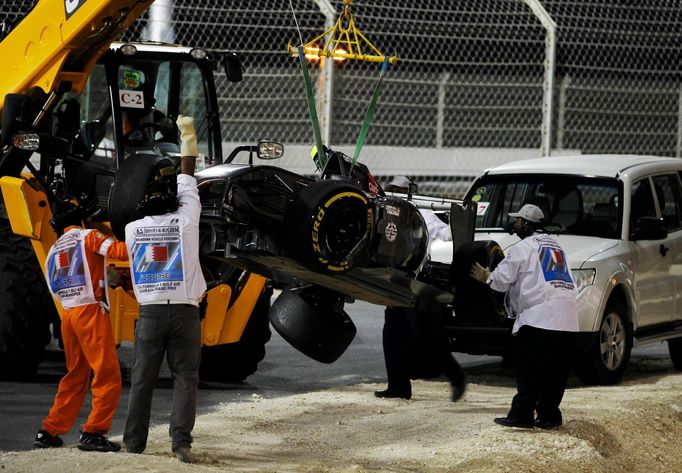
583,278
26,141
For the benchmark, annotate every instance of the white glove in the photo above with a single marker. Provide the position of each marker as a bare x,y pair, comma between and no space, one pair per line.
188,137
479,273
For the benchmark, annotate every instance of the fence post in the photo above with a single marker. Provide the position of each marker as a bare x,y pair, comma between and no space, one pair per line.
679,124
548,85
561,112
440,114
325,92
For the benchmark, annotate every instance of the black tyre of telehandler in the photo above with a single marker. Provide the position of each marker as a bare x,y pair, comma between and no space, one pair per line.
26,307
234,362
128,190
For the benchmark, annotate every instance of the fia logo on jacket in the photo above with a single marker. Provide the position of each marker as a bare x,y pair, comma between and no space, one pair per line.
554,265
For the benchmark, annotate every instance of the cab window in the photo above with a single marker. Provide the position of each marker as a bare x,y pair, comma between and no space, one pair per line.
669,199
641,203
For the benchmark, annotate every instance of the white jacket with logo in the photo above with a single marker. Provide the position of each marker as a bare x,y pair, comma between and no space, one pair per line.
539,285
164,251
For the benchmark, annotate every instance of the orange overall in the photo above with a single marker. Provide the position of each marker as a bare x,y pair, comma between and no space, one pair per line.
89,347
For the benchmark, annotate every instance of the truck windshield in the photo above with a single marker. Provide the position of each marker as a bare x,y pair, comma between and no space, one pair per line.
574,205
149,94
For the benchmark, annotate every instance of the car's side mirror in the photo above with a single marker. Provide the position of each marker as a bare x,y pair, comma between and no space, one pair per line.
650,228
269,150
233,67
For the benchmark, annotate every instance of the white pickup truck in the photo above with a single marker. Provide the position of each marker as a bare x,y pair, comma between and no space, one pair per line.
619,219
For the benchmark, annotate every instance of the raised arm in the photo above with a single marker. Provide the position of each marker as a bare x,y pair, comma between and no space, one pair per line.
189,150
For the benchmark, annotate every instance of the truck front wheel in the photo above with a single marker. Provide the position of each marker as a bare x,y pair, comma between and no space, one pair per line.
675,350
26,308
607,357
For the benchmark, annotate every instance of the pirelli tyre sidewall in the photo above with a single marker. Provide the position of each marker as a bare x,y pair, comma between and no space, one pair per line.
329,227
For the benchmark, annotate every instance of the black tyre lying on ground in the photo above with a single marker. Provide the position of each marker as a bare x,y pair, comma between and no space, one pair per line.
26,307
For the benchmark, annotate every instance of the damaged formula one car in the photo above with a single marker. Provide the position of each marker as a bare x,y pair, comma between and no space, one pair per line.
325,242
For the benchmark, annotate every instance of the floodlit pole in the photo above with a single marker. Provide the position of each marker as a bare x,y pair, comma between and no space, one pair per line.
327,76
548,87
160,26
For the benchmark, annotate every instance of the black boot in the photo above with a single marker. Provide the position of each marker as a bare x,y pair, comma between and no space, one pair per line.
458,384
394,393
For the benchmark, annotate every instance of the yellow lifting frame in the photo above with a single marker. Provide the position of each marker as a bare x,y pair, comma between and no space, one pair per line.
340,37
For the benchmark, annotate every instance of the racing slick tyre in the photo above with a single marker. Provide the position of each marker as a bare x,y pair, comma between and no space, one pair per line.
675,350
329,227
475,303
234,362
605,359
128,190
26,307
311,325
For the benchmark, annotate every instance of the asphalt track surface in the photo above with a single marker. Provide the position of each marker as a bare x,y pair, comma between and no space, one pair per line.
283,372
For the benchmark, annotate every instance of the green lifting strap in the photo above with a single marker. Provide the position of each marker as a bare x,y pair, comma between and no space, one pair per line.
321,157
369,114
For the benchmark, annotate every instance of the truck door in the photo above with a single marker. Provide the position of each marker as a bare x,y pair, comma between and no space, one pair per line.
651,264
669,200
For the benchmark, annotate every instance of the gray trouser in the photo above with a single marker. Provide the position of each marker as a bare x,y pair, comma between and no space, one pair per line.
175,331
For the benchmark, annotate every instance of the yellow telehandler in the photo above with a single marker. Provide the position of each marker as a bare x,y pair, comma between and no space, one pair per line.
75,104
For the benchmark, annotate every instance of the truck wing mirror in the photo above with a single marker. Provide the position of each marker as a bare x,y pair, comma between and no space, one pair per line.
650,228
233,67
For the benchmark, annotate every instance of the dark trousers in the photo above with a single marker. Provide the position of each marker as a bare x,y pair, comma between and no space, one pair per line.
543,363
415,346
174,331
